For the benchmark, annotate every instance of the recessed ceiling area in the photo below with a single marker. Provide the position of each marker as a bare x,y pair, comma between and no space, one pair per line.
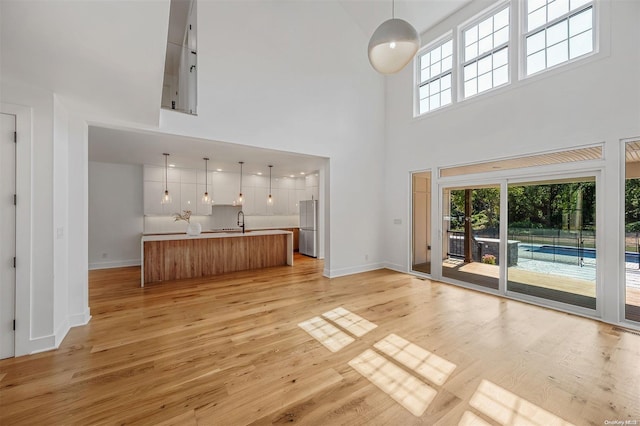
109,145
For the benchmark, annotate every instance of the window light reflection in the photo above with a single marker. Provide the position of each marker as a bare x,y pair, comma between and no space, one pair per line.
470,419
351,322
428,365
406,390
325,333
507,408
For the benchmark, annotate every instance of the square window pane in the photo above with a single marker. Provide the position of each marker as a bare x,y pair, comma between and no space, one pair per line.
501,19
484,65
577,3
445,97
537,18
424,74
447,48
536,62
535,42
535,4
581,44
557,33
485,45
471,51
557,8
500,58
434,101
485,27
581,22
424,106
425,60
501,36
435,69
445,82
435,55
424,91
470,88
471,35
558,54
501,76
470,71
485,82
446,63
434,87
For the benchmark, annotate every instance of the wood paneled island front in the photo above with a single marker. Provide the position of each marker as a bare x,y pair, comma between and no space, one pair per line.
178,256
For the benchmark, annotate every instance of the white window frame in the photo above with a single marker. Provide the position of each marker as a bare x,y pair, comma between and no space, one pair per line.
524,34
417,73
491,11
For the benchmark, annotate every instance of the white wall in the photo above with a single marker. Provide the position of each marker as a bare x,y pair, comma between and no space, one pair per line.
115,214
297,78
591,101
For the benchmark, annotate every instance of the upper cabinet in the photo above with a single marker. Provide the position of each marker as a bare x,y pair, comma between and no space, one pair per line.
187,186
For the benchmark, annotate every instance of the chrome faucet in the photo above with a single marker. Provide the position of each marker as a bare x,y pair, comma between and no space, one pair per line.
241,223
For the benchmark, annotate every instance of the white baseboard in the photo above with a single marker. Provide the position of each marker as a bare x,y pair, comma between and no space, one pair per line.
341,272
80,319
61,332
395,267
42,344
114,264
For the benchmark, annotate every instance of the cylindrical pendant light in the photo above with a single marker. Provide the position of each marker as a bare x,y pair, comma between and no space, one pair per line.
240,196
206,199
166,197
270,199
393,44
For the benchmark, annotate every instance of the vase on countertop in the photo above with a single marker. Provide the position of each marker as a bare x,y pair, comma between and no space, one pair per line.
194,229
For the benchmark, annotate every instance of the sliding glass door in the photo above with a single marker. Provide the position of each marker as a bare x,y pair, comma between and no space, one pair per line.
471,234
552,240
632,231
421,221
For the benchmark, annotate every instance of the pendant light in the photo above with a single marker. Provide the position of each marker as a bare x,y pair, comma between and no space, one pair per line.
270,199
166,197
240,196
393,44
205,197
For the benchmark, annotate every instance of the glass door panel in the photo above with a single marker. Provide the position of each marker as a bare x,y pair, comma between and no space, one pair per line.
552,240
471,243
632,231
421,236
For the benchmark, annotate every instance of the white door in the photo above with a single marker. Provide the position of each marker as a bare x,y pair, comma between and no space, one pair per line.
8,233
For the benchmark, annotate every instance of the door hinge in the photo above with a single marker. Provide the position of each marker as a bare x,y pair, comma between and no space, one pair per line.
15,137
15,199
14,325
14,262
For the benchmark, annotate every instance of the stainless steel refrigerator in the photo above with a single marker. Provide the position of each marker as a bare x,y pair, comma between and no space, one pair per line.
309,228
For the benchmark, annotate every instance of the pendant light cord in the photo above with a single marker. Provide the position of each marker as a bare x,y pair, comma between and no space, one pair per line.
393,9
166,173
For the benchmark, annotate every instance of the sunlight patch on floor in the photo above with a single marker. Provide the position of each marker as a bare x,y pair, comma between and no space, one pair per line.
507,408
351,322
406,390
470,419
328,335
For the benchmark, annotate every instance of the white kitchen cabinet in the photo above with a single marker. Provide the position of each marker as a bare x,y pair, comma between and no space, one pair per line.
188,198
249,200
203,209
152,195
293,202
281,201
153,174
173,175
261,206
187,176
226,187
174,206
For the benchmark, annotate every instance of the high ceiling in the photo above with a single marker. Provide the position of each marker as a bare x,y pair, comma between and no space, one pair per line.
106,58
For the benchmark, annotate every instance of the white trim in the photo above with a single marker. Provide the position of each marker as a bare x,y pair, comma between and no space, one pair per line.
341,272
61,332
80,319
41,344
114,264
396,267
24,120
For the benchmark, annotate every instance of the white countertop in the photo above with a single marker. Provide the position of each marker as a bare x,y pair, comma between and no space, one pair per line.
171,237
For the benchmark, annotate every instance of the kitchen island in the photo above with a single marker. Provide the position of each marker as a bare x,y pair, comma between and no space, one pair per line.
178,256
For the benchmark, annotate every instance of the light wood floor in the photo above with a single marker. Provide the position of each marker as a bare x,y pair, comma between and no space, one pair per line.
228,351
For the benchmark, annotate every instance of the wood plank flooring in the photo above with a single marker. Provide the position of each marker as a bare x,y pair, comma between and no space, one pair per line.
228,351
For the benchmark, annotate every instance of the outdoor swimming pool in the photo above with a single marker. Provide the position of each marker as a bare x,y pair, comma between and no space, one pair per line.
587,253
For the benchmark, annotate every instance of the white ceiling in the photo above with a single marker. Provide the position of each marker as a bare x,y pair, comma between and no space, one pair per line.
129,147
106,58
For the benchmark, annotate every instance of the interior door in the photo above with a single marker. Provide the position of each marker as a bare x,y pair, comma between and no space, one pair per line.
8,232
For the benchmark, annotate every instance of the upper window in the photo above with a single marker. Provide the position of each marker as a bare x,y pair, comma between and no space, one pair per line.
486,53
434,82
557,31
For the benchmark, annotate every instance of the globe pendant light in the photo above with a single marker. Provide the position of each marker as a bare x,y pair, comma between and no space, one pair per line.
270,199
393,45
240,196
205,197
166,197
